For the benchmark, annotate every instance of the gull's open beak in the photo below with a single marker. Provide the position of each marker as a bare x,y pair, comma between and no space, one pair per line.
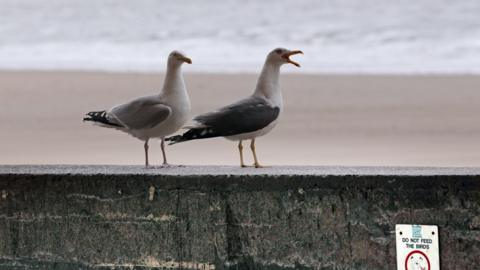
287,55
186,60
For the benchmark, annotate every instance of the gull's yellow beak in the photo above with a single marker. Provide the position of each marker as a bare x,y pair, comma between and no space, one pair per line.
287,55
186,60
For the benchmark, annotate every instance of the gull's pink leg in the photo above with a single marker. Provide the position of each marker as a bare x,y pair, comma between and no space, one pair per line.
162,145
145,146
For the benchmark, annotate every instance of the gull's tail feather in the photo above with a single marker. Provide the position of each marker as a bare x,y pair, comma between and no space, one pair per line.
193,134
100,117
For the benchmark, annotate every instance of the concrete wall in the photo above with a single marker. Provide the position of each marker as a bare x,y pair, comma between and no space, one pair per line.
116,218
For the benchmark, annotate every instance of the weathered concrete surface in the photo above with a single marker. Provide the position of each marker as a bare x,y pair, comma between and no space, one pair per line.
115,217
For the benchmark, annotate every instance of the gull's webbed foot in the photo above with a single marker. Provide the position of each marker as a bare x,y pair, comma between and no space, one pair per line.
258,166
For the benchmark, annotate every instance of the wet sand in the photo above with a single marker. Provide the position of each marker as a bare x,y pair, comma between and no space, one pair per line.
417,120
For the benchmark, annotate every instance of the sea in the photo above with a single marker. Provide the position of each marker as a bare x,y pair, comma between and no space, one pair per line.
337,36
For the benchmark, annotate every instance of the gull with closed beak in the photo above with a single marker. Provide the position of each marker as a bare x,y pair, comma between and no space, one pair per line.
154,116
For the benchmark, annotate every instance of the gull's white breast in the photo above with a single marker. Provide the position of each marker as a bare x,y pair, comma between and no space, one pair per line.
180,105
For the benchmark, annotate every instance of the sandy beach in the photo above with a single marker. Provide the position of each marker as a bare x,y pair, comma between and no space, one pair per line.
404,120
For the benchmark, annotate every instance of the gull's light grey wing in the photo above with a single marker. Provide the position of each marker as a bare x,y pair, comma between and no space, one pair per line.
141,113
247,115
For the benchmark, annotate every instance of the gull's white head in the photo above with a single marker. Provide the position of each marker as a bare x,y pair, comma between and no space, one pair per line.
177,58
281,56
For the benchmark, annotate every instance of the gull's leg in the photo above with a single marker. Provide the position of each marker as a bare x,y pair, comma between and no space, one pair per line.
162,145
240,149
252,146
145,146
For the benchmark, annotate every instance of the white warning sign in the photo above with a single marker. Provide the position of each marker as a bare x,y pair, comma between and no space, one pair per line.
417,247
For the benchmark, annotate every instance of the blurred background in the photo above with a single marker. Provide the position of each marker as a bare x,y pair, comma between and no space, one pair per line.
230,36
381,83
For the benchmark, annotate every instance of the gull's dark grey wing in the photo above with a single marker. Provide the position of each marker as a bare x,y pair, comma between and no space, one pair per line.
141,113
247,115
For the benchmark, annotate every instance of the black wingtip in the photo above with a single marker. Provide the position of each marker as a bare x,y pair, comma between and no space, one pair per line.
193,134
174,139
99,117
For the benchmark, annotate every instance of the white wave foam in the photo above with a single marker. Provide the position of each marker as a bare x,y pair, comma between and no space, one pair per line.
234,35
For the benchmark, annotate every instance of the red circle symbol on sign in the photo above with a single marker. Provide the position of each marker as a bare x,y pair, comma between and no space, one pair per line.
417,260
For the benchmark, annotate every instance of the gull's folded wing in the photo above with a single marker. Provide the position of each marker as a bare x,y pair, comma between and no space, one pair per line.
141,113
245,116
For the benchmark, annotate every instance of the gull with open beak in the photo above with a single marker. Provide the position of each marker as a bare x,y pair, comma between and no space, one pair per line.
154,116
248,118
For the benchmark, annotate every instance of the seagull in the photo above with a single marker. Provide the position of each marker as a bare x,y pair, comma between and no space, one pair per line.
250,117
154,116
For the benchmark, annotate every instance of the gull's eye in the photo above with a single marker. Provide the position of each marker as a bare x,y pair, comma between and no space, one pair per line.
278,51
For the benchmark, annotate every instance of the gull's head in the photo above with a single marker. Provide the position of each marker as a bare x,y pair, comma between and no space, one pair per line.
177,58
281,56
